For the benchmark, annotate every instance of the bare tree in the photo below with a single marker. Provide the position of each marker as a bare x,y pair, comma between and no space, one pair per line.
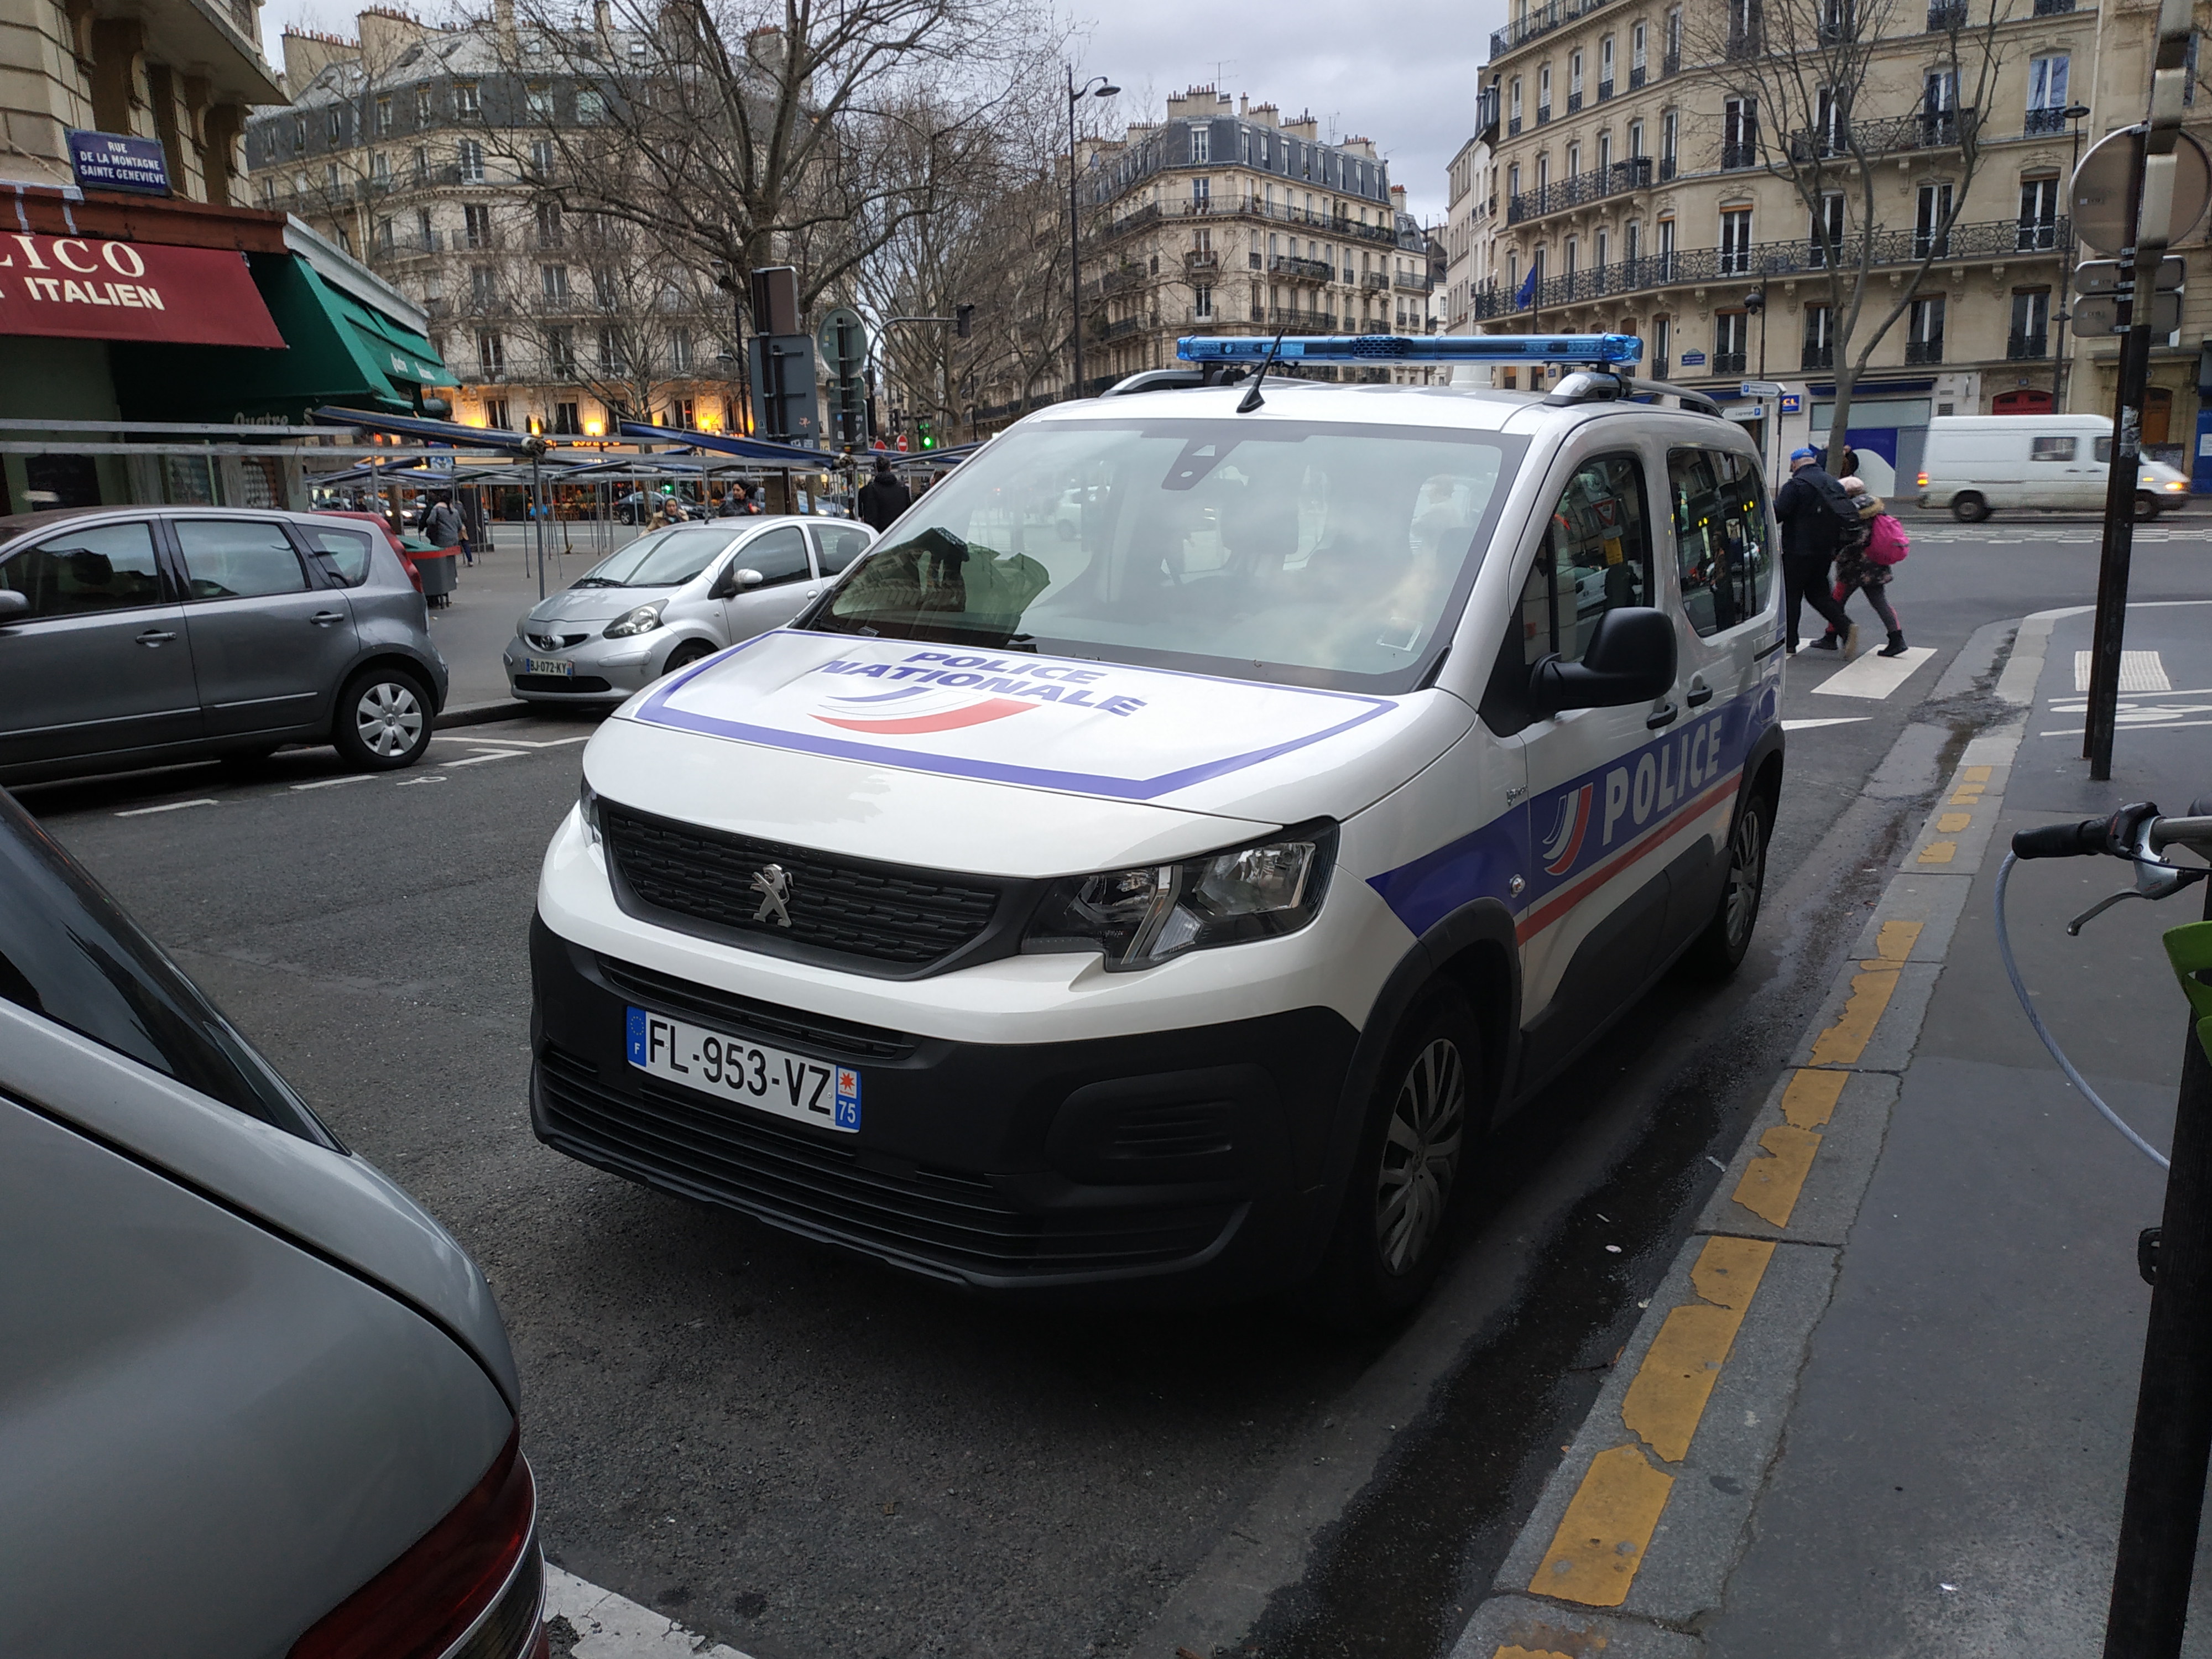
1798,77
745,133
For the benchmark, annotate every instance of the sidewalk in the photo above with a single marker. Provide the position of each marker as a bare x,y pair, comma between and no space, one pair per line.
1881,1404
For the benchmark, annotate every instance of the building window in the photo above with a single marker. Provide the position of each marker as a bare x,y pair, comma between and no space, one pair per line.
1635,140
679,350
2038,214
1739,132
477,223
1202,301
1574,160
426,240
549,232
2046,94
385,240
1662,335
1201,195
541,156
1731,329
470,155
591,106
2031,323
553,283
611,353
1826,234
337,127
1544,95
1605,154
466,104
330,177
1605,68
1923,336
383,115
1819,338
299,134
1735,242
1574,81
1931,221
602,289
561,355
1201,144
1673,41
1670,133
421,164
538,100
422,106
1636,51
482,285
379,168
491,355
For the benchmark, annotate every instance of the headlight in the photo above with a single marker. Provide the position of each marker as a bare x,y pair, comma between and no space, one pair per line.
587,811
643,620
2177,485
1141,916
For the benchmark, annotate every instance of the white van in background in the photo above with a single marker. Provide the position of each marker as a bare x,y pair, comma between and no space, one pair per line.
1976,464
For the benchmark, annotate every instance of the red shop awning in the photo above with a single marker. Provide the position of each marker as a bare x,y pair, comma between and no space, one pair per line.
87,288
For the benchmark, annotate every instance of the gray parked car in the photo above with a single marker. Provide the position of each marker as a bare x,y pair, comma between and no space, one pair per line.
254,1401
136,636
672,597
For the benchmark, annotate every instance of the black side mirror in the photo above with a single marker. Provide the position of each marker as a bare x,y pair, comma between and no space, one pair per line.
1630,658
13,603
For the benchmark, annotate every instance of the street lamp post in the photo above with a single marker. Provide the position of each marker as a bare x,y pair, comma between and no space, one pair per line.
1755,303
2075,113
1097,87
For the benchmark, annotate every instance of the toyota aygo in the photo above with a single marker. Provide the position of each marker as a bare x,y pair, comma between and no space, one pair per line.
1173,901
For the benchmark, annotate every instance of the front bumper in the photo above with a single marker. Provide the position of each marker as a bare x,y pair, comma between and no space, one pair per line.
606,669
1174,1164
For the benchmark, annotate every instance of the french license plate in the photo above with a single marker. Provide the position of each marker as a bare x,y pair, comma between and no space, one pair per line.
730,1068
560,665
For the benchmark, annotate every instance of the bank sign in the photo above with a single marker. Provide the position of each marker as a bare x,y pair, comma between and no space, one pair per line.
118,161
89,288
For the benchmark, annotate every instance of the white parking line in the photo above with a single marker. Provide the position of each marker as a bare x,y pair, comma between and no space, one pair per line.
1838,719
489,755
610,1626
512,742
169,806
1873,675
332,783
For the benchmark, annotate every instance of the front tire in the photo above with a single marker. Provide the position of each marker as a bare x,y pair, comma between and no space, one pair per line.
1967,507
1719,951
383,720
1420,1120
685,654
2146,507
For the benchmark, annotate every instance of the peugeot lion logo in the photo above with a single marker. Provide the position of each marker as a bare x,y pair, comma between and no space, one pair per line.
774,886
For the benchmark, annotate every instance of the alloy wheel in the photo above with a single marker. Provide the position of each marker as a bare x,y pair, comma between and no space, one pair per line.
389,718
1421,1155
1747,865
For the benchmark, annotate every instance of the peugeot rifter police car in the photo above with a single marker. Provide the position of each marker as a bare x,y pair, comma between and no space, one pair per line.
1161,859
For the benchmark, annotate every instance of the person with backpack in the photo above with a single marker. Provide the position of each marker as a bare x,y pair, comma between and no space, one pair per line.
1865,565
1813,511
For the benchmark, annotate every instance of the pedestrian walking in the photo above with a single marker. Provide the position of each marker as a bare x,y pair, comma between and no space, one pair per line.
442,525
1812,510
1863,564
883,498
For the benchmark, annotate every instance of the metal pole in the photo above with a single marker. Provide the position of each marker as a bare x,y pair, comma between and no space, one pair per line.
1074,240
538,494
2174,1403
2065,275
2111,623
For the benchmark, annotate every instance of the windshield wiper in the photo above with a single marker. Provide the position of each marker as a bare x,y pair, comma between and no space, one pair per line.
595,581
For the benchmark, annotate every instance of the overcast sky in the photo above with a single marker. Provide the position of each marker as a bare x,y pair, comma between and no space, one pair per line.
1378,73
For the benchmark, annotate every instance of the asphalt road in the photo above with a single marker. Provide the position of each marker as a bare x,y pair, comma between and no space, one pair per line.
802,1454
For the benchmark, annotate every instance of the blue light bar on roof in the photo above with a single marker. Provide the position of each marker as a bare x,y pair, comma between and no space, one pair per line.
1609,351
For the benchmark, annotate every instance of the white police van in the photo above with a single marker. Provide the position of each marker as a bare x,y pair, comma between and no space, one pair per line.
1170,892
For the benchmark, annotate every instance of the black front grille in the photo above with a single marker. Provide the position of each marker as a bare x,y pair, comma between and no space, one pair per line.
578,683
905,918
830,1188
845,1038
1192,1130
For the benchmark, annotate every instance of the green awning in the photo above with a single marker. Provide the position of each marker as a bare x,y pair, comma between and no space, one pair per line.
393,350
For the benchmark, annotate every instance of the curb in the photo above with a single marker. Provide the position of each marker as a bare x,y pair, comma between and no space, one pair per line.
1629,1548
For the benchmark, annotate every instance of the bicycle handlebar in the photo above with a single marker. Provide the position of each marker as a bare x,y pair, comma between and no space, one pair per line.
2061,841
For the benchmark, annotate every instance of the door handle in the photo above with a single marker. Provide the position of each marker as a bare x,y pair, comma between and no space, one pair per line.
1699,696
324,619
1664,716
154,636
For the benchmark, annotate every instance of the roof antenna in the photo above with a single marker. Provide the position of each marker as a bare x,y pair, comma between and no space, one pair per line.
1252,399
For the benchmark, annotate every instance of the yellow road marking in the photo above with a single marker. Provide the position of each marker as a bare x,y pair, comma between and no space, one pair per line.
1951,822
1846,1039
1969,794
1893,940
1810,1100
1772,1182
1976,775
1939,852
1607,1529
1676,1378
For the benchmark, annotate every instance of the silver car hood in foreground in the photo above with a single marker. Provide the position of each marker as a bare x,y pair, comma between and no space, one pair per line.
595,604
338,1207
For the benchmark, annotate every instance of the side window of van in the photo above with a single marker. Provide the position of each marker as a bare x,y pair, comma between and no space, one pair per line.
2053,449
1720,537
1597,558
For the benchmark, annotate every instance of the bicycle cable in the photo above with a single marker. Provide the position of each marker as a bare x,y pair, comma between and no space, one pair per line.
2020,990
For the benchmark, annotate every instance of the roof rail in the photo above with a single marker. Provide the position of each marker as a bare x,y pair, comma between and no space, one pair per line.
1590,386
1173,380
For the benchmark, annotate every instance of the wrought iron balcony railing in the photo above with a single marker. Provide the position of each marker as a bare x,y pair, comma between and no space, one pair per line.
1946,14
1574,102
1579,189
1304,271
1737,155
1635,77
1538,20
1894,135
2022,345
2043,121
1604,90
1925,351
1818,355
1726,362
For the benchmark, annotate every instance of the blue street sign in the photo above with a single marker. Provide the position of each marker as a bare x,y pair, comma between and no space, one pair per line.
1792,404
1693,359
118,161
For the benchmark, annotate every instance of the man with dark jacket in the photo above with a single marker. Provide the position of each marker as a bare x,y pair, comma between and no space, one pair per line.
883,498
1811,527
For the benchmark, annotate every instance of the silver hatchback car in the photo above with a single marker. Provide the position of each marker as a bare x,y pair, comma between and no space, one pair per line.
136,636
673,596
253,1400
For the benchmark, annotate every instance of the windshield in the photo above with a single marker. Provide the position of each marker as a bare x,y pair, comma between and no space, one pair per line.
666,558
1326,554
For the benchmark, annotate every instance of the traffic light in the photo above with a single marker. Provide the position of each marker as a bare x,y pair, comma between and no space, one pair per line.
963,320
925,432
